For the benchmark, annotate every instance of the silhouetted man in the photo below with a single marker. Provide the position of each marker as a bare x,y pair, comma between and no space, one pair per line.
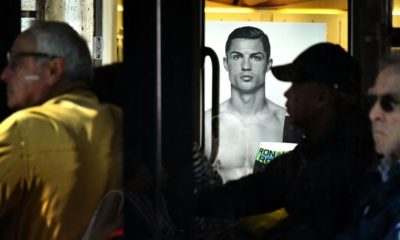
315,181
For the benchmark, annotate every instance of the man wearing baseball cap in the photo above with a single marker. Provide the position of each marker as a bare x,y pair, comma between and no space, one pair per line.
315,181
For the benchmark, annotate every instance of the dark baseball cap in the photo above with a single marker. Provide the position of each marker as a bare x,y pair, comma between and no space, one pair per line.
326,63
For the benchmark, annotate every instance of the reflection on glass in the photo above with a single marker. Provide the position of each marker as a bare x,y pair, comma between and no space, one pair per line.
396,13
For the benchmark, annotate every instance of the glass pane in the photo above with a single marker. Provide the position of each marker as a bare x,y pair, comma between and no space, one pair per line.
291,27
120,31
28,10
81,16
396,14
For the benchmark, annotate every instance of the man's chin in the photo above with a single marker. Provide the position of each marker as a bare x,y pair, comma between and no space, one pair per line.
247,89
14,106
383,149
10,104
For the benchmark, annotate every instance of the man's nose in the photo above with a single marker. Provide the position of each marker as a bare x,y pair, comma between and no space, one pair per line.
376,112
246,64
287,92
6,74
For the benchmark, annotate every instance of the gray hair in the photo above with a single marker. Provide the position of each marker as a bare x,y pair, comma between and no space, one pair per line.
393,60
61,40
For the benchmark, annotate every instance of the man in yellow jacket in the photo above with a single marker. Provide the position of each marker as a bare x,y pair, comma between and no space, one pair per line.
61,151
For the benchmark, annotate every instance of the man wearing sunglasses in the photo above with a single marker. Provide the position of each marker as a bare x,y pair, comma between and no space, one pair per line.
385,114
60,152
377,213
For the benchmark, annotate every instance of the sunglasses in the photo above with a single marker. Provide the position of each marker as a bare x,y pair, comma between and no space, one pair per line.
387,102
13,55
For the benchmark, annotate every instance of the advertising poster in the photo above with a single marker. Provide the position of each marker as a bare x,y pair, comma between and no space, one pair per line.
252,102
268,151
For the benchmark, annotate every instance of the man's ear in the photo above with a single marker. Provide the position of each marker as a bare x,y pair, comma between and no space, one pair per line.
226,64
56,70
324,96
269,64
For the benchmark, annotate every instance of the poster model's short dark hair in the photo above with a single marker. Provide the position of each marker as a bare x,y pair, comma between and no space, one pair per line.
249,33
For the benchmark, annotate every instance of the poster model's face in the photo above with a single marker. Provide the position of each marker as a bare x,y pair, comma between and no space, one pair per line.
247,63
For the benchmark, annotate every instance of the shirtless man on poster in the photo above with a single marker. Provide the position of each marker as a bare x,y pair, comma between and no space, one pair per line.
248,117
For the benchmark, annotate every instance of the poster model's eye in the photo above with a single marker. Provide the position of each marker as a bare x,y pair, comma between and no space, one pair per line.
236,56
257,57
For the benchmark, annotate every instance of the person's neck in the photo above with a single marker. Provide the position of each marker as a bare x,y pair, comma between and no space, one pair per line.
64,87
317,129
248,103
386,165
388,161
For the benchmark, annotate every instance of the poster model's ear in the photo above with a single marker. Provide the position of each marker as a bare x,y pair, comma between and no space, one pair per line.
269,64
226,64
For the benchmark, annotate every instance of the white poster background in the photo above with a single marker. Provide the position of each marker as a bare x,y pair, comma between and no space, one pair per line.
287,41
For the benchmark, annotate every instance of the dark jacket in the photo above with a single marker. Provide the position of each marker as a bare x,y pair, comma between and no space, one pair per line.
314,183
377,211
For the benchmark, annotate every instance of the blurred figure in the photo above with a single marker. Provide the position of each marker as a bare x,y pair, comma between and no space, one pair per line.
146,209
377,213
315,181
248,117
61,151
